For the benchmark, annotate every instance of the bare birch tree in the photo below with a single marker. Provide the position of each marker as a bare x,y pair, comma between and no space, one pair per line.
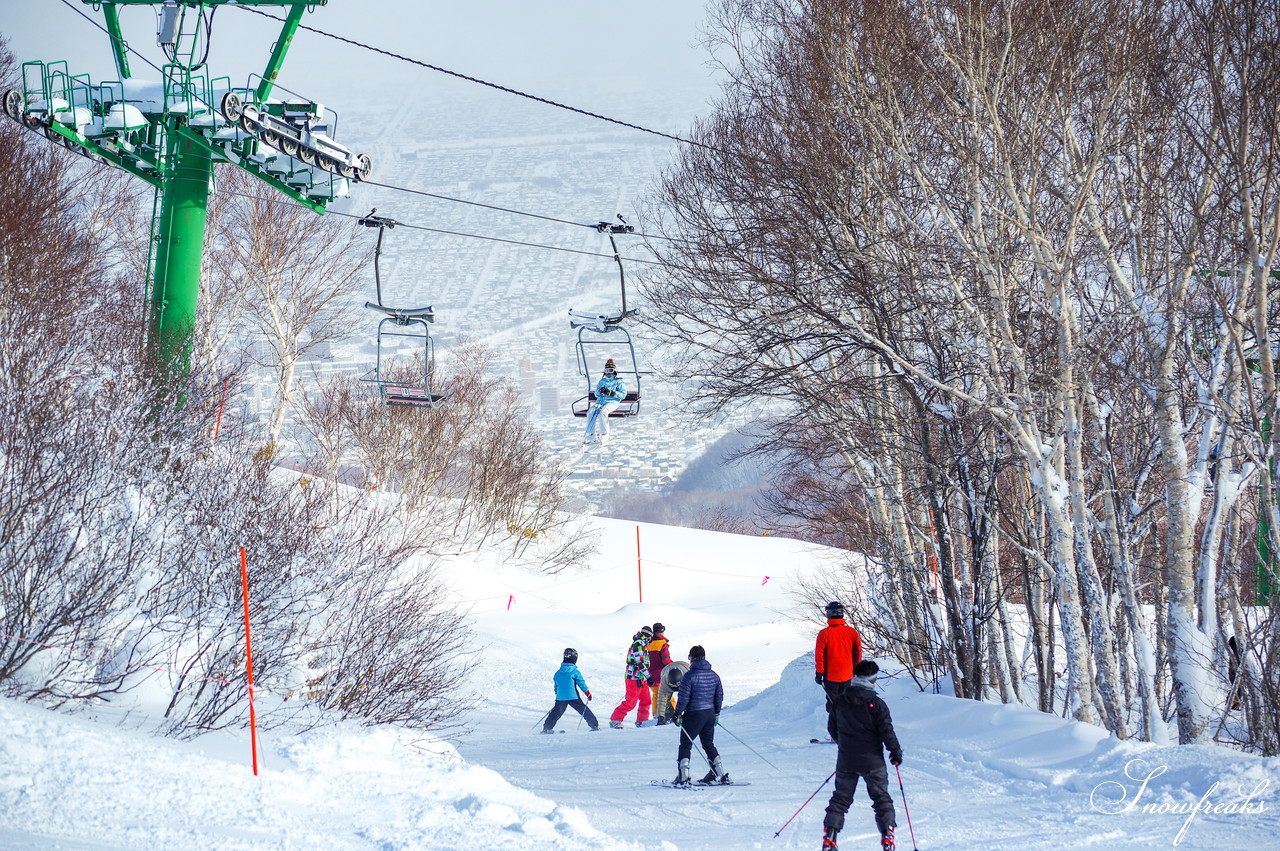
995,216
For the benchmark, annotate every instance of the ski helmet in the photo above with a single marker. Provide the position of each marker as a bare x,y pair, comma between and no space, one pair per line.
835,609
571,655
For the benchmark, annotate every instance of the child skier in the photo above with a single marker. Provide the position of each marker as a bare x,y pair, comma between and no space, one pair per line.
568,680
865,730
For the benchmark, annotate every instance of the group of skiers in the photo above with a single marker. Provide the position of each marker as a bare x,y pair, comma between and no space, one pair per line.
692,695
689,694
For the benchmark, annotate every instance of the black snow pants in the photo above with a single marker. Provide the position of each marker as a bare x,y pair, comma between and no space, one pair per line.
833,691
877,779
698,724
582,709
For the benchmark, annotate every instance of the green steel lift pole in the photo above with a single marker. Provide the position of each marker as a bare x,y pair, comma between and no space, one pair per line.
184,192
179,235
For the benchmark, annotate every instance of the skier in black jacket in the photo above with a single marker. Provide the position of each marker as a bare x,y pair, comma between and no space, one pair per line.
697,711
865,730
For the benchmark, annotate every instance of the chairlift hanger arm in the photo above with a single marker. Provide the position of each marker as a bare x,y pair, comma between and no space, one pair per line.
612,229
382,223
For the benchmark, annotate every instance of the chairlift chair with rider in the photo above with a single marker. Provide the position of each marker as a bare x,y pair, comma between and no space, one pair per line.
602,336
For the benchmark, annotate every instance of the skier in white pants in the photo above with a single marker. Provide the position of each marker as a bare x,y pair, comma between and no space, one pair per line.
610,391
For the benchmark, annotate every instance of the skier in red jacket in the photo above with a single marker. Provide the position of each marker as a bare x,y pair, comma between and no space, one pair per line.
838,649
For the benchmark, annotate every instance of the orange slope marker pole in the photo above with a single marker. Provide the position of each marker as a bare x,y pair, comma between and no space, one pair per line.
248,653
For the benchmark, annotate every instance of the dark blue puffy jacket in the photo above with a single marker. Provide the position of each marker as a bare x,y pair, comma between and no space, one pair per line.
700,689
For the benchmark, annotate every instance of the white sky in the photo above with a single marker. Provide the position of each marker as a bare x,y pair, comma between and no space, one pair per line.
553,48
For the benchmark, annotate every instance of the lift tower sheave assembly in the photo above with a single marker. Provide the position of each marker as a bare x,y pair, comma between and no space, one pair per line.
172,131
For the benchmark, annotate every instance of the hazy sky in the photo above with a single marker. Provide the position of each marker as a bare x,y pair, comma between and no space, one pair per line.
555,48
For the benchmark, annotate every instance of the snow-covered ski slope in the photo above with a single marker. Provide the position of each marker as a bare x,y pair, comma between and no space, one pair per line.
976,776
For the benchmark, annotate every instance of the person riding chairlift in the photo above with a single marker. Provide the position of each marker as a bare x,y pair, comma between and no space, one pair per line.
610,391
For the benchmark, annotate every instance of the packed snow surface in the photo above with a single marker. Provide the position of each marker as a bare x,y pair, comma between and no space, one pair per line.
976,776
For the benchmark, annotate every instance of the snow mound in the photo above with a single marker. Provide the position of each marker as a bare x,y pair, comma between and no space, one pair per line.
342,788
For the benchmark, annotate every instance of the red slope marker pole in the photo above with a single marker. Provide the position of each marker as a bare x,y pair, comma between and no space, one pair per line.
248,653
218,425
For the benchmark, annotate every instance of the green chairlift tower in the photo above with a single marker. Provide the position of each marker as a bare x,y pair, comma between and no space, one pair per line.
170,130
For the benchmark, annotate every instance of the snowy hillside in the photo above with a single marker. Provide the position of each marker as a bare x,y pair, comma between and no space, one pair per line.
976,776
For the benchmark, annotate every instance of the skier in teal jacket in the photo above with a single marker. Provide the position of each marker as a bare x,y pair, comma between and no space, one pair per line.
610,393
568,681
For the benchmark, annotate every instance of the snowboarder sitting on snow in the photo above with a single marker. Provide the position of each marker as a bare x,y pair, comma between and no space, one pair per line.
665,709
568,679
866,730
637,681
836,651
659,658
697,710
610,391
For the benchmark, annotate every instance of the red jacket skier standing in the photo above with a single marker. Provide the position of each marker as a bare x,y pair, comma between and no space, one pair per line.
838,650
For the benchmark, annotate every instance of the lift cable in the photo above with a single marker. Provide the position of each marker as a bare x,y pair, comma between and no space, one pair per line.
423,193
475,204
510,210
331,212
481,82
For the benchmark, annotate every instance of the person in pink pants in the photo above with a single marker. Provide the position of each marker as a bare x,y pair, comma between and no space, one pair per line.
637,681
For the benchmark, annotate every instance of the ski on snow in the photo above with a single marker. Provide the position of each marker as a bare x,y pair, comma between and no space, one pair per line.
671,785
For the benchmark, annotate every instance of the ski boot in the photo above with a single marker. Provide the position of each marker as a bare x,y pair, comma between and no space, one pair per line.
682,773
547,732
829,839
661,721
616,725
886,841
717,774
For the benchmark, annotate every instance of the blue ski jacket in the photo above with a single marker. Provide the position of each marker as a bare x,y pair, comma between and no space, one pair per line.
700,689
567,680
610,389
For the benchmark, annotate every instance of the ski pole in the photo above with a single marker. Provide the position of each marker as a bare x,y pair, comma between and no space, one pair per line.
806,803
695,745
540,720
906,809
747,746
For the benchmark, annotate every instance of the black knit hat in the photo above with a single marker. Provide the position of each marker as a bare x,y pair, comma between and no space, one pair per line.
659,629
646,631
696,652
866,668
